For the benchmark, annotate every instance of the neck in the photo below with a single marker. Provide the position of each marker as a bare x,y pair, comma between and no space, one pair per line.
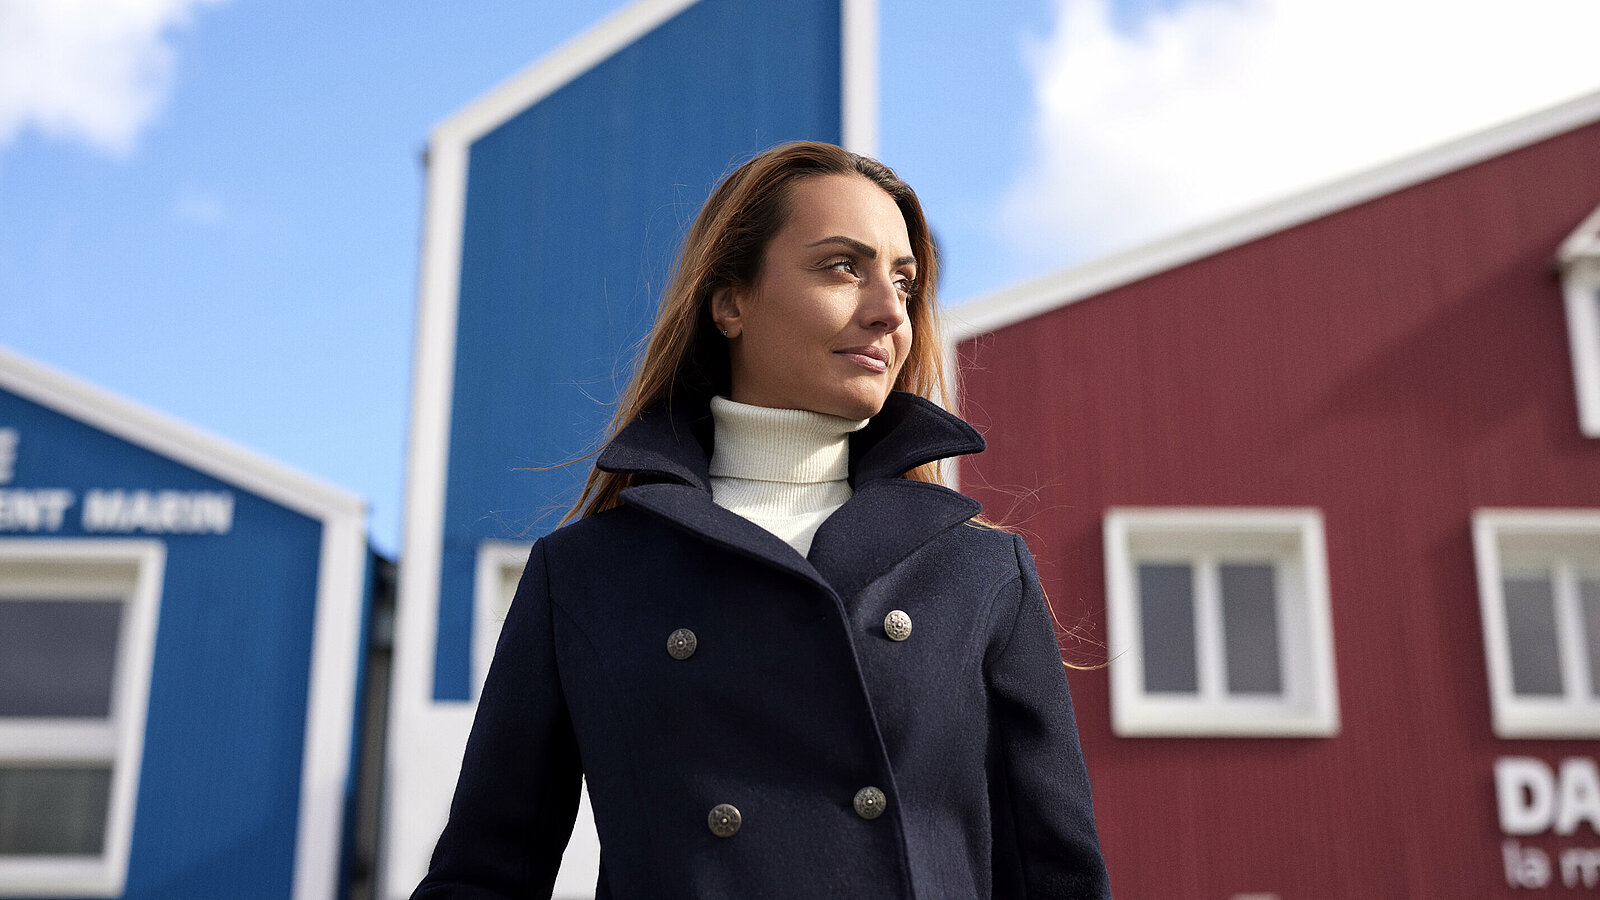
790,446
783,469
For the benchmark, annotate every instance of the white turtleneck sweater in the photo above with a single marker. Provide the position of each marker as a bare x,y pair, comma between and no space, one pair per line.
783,469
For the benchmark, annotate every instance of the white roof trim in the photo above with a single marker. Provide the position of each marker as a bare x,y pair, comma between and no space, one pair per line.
858,76
175,440
1583,243
330,709
556,68
1011,305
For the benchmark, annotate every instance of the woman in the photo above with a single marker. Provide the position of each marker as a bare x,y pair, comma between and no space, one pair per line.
787,660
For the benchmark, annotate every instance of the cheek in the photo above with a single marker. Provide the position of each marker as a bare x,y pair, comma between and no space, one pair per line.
903,343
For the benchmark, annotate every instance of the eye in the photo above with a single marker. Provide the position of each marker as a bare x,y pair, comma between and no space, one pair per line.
906,285
848,266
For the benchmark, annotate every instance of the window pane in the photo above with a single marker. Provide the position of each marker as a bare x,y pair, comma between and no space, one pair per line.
1166,609
57,657
1531,624
1250,628
54,811
1589,599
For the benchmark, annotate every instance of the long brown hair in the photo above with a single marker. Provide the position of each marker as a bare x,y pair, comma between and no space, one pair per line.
725,247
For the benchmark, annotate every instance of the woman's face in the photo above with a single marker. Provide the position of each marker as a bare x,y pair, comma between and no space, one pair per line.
824,327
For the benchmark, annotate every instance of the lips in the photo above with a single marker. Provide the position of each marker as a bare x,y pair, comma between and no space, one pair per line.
873,359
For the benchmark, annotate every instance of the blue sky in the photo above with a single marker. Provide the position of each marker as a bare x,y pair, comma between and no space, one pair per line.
218,213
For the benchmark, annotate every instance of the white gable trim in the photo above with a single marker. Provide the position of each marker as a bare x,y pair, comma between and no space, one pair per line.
1581,290
858,80
1579,258
1583,243
330,708
858,22
175,440
556,69
1024,301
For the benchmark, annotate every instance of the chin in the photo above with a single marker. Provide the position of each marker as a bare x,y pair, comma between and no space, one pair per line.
858,407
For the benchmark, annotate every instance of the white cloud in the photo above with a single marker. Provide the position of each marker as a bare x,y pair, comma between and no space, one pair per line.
1218,105
89,70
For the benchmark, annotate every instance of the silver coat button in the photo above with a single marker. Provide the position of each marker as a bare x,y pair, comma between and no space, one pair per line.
897,625
681,644
724,820
870,802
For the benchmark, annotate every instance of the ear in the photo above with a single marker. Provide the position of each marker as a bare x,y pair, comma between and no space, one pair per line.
727,303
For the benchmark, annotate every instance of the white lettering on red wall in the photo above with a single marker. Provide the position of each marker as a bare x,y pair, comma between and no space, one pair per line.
1534,798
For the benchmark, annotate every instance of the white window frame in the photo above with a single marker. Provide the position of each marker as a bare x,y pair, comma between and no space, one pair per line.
1559,541
131,571
499,570
1579,258
1292,540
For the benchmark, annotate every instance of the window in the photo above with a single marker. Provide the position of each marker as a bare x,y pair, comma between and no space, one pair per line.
77,634
1219,623
1580,267
1539,591
499,571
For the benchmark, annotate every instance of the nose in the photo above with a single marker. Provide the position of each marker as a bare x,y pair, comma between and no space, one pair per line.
882,307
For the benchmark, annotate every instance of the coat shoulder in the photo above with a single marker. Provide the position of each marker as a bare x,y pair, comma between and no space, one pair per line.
613,548
595,531
974,541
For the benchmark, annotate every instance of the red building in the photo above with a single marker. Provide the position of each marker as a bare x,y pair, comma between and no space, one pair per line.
1324,480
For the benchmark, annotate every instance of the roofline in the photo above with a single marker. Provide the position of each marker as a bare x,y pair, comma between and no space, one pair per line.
556,69
1024,301
609,36
858,76
1583,243
169,437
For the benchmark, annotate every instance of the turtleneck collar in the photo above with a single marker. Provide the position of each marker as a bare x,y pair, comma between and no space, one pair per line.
792,446
669,441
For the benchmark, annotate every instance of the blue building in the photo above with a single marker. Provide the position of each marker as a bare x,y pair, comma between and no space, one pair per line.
181,635
554,205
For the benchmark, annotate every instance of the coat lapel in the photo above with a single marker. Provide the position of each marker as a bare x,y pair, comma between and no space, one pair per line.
691,509
906,433
886,518
668,441
883,523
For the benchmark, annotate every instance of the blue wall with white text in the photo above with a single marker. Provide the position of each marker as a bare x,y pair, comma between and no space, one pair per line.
219,794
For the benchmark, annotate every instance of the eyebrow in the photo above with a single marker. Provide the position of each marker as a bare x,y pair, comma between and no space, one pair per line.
861,248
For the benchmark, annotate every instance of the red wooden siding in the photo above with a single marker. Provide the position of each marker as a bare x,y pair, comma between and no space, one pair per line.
1397,365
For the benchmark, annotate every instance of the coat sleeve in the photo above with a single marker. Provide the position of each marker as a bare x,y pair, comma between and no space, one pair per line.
1045,844
520,778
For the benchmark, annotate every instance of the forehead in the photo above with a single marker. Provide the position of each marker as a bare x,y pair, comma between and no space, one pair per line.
845,206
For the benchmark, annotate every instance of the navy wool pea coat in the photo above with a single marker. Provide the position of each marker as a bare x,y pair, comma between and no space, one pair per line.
794,701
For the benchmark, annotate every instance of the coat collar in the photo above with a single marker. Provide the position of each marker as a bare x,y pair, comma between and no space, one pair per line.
885,520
